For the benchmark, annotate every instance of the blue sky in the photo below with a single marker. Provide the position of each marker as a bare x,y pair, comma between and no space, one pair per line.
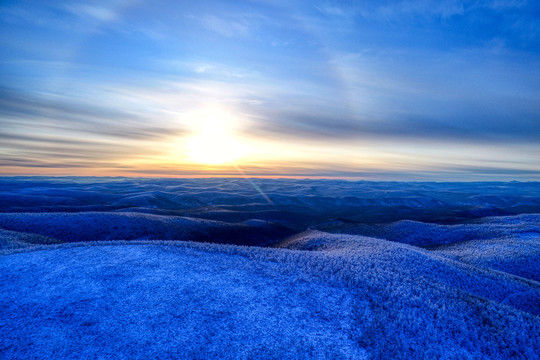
370,89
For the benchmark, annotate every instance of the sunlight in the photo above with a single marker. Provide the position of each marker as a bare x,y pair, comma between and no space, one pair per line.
214,141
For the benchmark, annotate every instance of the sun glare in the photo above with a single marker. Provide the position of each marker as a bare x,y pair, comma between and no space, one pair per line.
214,141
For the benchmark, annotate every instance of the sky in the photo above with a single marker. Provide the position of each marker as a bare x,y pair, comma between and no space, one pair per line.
382,90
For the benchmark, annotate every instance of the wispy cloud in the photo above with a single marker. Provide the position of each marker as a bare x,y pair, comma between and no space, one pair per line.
225,26
420,8
94,12
68,114
426,9
327,127
210,68
502,4
334,10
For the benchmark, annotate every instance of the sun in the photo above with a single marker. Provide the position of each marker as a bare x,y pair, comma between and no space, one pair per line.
214,141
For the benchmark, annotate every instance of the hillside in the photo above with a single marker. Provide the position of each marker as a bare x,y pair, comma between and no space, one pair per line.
335,296
268,269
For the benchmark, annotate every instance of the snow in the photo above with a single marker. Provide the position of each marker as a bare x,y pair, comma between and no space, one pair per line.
96,226
349,297
517,255
296,203
431,235
159,302
126,268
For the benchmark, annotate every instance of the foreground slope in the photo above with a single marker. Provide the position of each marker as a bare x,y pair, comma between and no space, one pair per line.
327,296
429,306
161,302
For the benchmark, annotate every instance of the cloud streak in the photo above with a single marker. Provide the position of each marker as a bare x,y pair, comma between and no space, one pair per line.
225,27
69,115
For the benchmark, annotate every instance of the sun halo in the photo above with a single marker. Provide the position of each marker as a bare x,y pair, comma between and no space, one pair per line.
214,141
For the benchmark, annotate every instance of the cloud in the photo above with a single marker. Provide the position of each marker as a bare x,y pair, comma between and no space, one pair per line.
335,170
406,10
16,163
94,12
492,170
334,10
41,150
210,68
225,27
502,4
420,8
61,131
311,127
71,15
65,114
409,96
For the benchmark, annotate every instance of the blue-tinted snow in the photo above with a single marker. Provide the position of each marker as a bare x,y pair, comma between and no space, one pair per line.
349,297
290,202
356,269
506,243
95,226
163,302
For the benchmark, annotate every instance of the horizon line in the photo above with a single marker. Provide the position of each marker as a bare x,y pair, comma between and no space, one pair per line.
271,177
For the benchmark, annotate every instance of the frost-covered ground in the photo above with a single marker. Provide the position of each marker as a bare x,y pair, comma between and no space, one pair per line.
350,270
160,301
344,296
507,243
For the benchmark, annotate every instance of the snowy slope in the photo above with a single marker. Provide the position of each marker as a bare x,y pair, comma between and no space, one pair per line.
89,269
165,302
434,305
339,296
15,239
430,235
506,243
96,226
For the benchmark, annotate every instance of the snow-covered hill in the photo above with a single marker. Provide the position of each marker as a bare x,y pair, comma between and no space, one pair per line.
101,269
290,202
337,296
96,226
168,302
506,243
